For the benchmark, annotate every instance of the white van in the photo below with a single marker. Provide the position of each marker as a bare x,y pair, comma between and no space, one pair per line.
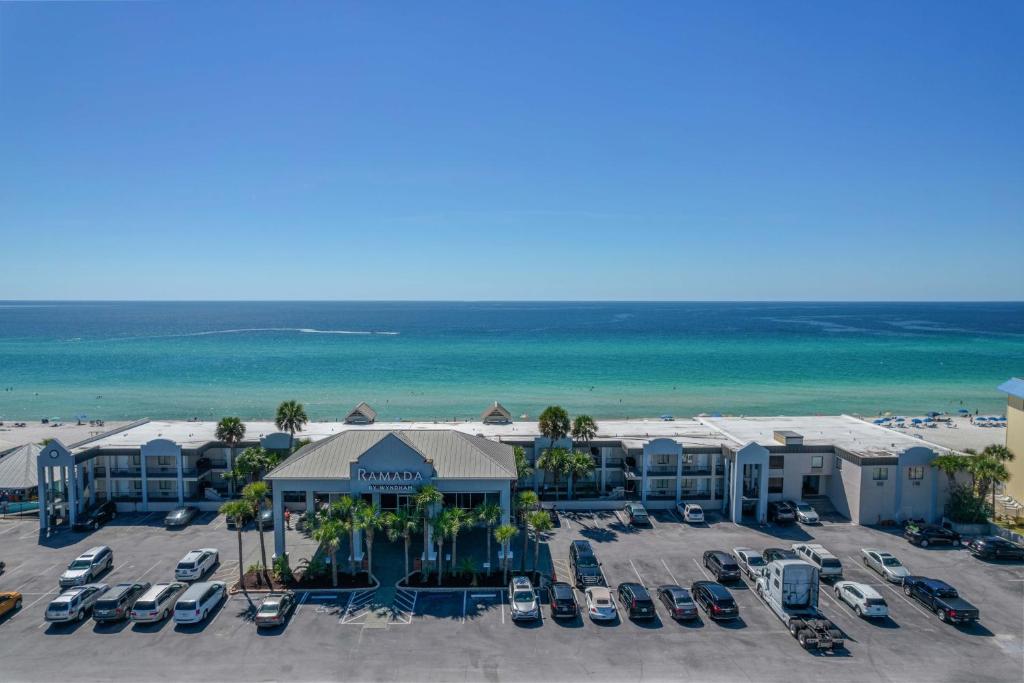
198,601
829,566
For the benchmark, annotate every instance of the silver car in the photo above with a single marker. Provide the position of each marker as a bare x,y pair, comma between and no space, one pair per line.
522,599
157,603
750,561
87,566
75,603
887,566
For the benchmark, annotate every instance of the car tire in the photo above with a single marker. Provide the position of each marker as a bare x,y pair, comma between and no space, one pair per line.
164,615
80,616
923,543
856,610
113,515
793,629
204,616
802,639
956,543
17,605
95,526
906,589
941,614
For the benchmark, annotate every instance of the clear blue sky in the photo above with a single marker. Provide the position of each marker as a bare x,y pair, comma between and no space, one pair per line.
556,150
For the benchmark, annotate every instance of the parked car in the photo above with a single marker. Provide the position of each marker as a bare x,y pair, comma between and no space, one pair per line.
678,601
772,554
715,599
886,564
522,599
116,604
157,603
562,599
864,599
74,604
232,522
87,566
179,517
940,598
600,605
829,566
195,564
722,565
585,567
274,609
10,602
691,512
97,517
196,603
805,514
995,548
636,601
931,535
780,512
637,514
267,518
751,564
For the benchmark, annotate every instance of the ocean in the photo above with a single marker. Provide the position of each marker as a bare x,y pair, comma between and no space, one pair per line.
443,361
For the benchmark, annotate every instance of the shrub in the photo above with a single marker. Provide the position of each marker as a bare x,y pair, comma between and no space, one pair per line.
282,571
965,507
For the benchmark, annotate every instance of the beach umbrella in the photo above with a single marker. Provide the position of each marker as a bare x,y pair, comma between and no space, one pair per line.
981,419
879,421
928,419
917,420
667,418
934,414
963,411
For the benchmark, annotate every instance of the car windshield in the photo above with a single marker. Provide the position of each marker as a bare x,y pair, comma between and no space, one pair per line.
602,602
586,561
803,507
683,601
726,603
730,566
830,562
59,606
106,604
269,608
144,605
755,561
891,562
80,564
185,605
522,596
186,565
875,602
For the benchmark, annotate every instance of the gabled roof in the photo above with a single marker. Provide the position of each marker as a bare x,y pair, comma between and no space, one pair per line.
362,410
1013,386
18,468
496,413
453,454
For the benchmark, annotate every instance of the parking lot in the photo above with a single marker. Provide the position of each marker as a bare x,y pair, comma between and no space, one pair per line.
469,635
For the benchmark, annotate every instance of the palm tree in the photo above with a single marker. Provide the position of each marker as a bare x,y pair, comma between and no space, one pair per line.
526,502
426,499
254,495
231,431
252,463
344,509
458,519
540,522
442,529
237,509
504,535
523,468
329,533
584,429
578,465
950,464
554,423
555,461
489,514
291,417
369,518
403,524
468,567
997,472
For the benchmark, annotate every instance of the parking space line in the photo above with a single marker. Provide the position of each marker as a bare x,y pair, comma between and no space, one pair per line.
671,575
641,579
24,608
465,596
650,518
150,569
298,608
702,571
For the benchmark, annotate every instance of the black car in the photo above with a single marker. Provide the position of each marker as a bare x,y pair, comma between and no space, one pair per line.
637,602
97,517
585,567
940,598
722,565
562,599
995,548
772,554
267,518
116,604
780,512
715,599
931,535
180,516
678,601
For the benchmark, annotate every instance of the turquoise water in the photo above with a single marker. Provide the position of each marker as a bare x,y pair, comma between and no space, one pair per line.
449,360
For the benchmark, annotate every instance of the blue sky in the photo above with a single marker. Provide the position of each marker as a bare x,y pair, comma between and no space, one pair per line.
557,150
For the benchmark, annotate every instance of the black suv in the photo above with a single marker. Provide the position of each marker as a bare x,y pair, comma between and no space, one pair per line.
585,567
722,565
562,599
715,599
97,517
636,601
931,535
780,512
995,548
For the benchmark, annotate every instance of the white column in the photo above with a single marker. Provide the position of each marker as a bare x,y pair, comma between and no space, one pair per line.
714,471
110,490
72,488
762,493
230,459
145,485
357,546
92,482
181,478
643,480
44,506
310,501
278,502
679,477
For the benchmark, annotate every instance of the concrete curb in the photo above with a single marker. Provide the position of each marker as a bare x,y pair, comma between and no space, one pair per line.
235,590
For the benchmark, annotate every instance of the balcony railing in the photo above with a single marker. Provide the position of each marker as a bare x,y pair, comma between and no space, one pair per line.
696,471
151,473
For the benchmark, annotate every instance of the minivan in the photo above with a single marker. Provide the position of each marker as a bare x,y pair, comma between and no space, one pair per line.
198,601
116,604
156,603
829,566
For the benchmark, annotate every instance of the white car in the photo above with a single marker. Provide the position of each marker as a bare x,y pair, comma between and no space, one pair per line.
829,566
195,564
805,514
600,605
75,603
750,561
890,568
198,601
864,599
691,512
522,599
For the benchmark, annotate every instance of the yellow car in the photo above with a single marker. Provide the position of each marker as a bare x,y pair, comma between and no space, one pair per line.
10,602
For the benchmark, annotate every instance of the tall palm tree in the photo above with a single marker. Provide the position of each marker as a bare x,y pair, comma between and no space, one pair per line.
237,509
523,468
540,522
254,495
950,464
252,463
231,431
489,514
504,535
578,465
426,499
344,509
584,429
369,518
554,423
329,534
441,529
997,471
555,461
526,502
403,523
291,417
458,519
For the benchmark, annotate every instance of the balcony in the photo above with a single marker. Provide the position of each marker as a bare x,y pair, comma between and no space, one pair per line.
125,472
696,470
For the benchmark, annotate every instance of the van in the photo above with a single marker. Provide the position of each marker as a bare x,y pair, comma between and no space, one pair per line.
198,601
829,566
116,604
156,603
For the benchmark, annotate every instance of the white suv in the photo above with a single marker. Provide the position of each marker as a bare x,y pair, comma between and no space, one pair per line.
864,599
691,512
87,566
829,566
76,603
522,599
195,564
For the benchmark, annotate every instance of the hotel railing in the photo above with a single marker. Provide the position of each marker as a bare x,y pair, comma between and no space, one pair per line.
696,471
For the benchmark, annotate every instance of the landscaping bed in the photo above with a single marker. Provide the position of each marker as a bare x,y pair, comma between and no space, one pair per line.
495,580
253,580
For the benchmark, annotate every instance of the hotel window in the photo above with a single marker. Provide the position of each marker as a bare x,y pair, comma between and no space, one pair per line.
881,473
164,461
776,462
916,473
839,463
817,462
775,484
688,458
661,484
136,484
661,459
166,485
136,460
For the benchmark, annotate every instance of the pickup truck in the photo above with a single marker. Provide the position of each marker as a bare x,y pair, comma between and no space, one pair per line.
941,598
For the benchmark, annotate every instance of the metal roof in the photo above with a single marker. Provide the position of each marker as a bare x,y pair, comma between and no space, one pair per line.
1013,386
18,468
453,454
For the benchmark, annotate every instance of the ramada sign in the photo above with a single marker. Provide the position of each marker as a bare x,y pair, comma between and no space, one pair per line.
390,481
